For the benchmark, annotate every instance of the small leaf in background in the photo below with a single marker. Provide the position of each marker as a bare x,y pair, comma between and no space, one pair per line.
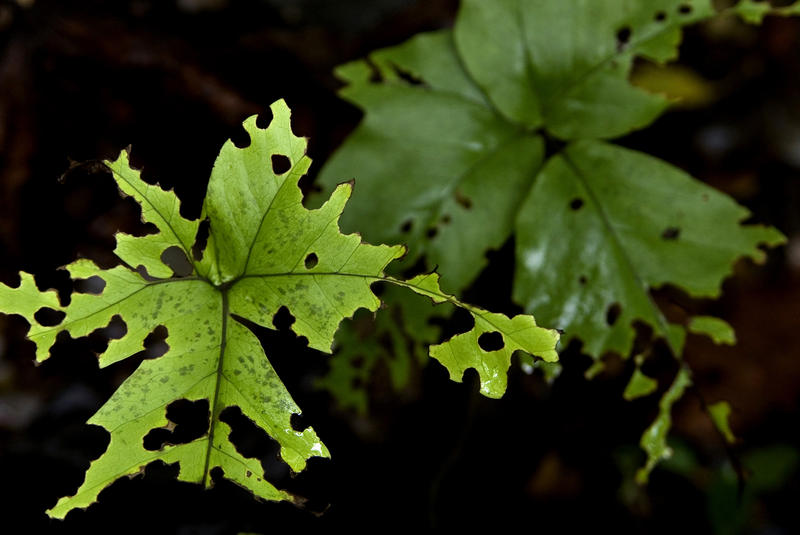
683,87
718,330
639,385
720,414
654,439
768,469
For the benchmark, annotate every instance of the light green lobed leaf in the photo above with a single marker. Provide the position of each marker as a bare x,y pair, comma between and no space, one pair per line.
211,356
143,305
617,222
265,251
159,207
464,351
654,439
26,299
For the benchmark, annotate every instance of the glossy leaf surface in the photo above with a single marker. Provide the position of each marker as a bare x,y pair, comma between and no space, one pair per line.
618,222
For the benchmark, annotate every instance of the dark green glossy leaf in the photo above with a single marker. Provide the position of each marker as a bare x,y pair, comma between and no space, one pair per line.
435,166
605,224
564,64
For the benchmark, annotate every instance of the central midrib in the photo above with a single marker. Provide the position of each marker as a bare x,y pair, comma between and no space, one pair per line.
215,397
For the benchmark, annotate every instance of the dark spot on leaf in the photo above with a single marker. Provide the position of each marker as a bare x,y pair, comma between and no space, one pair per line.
375,75
463,200
175,258
190,419
671,233
280,164
201,240
685,9
251,441
623,37
576,204
660,16
408,77
161,473
471,379
217,473
432,232
116,328
93,285
248,473
582,279
385,340
283,319
155,343
642,341
298,423
48,317
264,118
613,313
446,219
491,341
311,261
240,138
378,288
405,228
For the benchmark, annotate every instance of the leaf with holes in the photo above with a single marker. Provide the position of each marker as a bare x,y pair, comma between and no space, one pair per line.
491,342
452,133
493,130
618,222
437,168
264,251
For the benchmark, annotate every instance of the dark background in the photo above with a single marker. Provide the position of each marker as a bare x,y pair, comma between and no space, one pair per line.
80,80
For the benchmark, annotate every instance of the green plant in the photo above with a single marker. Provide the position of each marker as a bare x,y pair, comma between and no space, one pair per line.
498,128
264,251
